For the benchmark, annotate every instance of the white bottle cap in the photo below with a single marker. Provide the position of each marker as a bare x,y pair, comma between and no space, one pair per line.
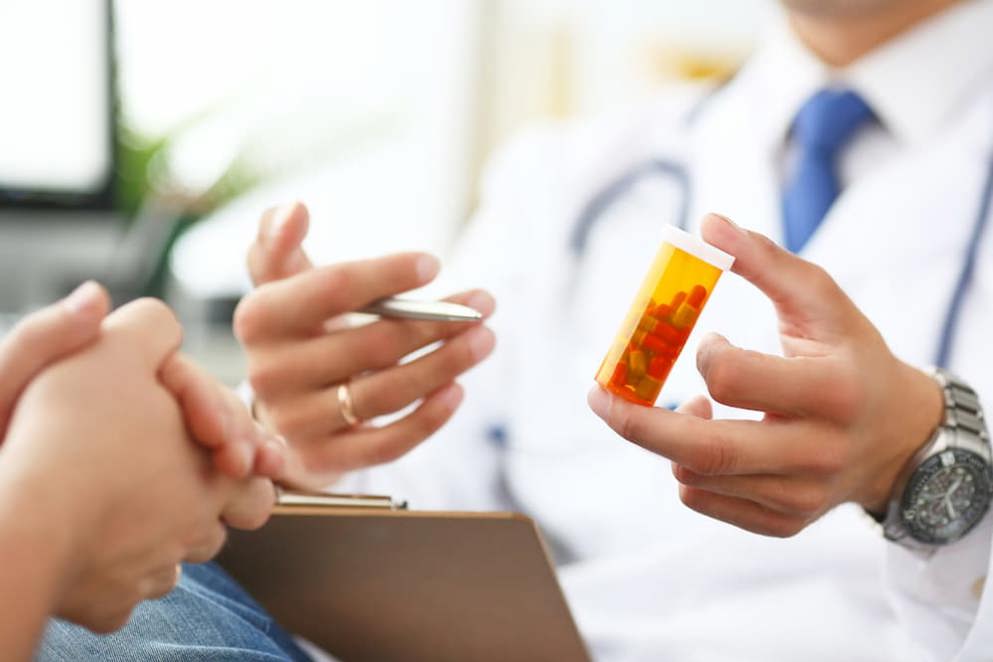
697,247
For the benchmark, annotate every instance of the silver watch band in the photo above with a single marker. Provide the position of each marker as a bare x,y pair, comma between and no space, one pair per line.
963,426
963,414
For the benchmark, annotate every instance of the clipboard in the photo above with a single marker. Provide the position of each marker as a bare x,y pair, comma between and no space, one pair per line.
369,581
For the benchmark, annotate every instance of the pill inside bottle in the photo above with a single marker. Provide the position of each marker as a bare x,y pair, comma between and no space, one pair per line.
678,285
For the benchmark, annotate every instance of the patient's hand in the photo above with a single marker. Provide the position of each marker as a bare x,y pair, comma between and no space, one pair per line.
300,350
215,416
218,420
43,338
99,460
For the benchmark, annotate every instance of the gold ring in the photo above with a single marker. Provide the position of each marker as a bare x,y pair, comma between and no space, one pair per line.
346,405
179,575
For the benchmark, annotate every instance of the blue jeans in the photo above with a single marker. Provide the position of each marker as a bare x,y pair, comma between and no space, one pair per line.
207,617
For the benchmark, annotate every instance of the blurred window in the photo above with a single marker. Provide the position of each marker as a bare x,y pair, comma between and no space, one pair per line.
55,112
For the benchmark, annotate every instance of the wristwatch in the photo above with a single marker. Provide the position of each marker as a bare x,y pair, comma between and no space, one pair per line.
947,488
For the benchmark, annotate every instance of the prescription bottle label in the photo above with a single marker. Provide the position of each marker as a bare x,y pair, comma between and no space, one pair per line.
670,300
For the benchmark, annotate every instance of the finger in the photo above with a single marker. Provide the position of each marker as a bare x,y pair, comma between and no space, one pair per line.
709,447
148,327
391,390
209,544
794,496
208,415
45,337
366,447
802,292
277,251
162,582
745,379
110,616
215,417
302,303
250,504
698,406
304,365
264,459
741,513
271,459
319,413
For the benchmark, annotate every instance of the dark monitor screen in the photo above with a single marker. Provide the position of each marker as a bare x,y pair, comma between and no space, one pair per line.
57,105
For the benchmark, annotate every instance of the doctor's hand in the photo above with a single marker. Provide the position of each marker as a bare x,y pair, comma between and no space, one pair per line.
842,415
102,480
301,350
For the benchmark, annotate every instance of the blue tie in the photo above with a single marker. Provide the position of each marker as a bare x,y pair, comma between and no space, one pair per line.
821,129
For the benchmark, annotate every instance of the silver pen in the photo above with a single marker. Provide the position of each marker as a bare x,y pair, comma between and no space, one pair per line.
432,311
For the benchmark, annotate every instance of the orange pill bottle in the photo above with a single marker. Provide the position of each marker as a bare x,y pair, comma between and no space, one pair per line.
670,300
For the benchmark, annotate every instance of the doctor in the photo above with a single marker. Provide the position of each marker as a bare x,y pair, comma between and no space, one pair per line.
861,137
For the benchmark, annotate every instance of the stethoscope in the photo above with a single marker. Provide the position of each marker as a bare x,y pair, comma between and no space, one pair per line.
677,173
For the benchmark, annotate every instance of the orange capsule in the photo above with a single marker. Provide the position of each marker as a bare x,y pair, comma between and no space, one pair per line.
685,316
655,344
620,376
648,324
648,389
697,295
638,365
660,366
669,334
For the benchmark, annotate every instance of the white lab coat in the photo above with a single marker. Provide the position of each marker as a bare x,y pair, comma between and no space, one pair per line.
646,578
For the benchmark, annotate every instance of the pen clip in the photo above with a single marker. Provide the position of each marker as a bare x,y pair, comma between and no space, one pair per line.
300,499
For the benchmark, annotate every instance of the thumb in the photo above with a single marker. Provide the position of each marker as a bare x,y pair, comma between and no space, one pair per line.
277,252
803,293
698,406
45,337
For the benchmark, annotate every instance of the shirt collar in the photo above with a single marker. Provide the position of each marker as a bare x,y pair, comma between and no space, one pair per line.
914,83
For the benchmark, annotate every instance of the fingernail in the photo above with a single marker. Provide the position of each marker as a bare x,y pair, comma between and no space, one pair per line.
225,420
245,453
280,218
737,228
83,297
599,401
261,433
452,397
481,341
481,302
704,351
710,338
428,267
277,445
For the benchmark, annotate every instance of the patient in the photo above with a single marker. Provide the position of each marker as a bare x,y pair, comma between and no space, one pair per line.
102,492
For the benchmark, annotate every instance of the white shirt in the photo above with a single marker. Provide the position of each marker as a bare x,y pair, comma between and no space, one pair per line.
917,85
646,578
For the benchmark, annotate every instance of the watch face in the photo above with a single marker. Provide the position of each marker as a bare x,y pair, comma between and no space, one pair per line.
947,495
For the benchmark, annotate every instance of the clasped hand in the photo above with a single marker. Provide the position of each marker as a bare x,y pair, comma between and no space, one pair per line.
119,457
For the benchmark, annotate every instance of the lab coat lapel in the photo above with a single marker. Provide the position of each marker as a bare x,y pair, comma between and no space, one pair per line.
913,216
733,172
